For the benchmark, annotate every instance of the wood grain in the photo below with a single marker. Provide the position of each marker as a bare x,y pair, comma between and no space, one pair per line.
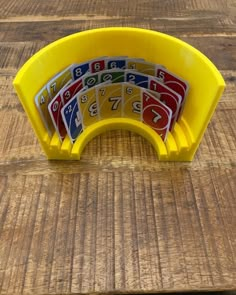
118,221
151,235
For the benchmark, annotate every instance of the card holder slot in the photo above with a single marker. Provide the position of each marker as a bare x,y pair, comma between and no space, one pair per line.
171,145
55,142
175,145
180,138
187,131
66,146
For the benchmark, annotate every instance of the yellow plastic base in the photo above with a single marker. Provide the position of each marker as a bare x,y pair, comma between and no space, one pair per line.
176,147
206,87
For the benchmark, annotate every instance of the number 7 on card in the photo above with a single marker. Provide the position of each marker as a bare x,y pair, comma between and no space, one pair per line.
156,114
109,100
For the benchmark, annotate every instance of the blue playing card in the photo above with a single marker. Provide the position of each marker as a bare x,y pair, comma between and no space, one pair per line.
79,70
137,79
72,119
116,64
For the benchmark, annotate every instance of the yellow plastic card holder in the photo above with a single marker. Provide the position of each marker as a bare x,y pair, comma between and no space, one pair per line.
206,87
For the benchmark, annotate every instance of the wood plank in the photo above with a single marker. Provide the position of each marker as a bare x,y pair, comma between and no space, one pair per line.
169,8
15,54
56,236
118,221
50,30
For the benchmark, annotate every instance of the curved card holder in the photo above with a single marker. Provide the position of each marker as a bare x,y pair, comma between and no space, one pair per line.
206,87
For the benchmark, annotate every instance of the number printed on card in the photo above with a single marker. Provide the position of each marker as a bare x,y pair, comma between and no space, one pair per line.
116,63
54,109
72,119
112,76
90,80
132,104
175,83
71,90
111,87
88,107
167,96
156,114
79,70
136,78
143,67
97,65
42,100
109,100
59,81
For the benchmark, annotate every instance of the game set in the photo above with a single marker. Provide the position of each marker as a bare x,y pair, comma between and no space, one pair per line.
119,78
111,87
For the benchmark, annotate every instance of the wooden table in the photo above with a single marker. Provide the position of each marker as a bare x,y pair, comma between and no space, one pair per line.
118,220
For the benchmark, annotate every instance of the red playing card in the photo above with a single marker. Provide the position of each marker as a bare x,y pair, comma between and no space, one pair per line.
97,66
54,109
167,96
156,114
71,90
175,83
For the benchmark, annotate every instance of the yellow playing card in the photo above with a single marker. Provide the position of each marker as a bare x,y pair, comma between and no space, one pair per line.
109,100
88,106
131,101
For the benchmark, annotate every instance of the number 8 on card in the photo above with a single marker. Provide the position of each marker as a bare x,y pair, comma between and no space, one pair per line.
88,106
